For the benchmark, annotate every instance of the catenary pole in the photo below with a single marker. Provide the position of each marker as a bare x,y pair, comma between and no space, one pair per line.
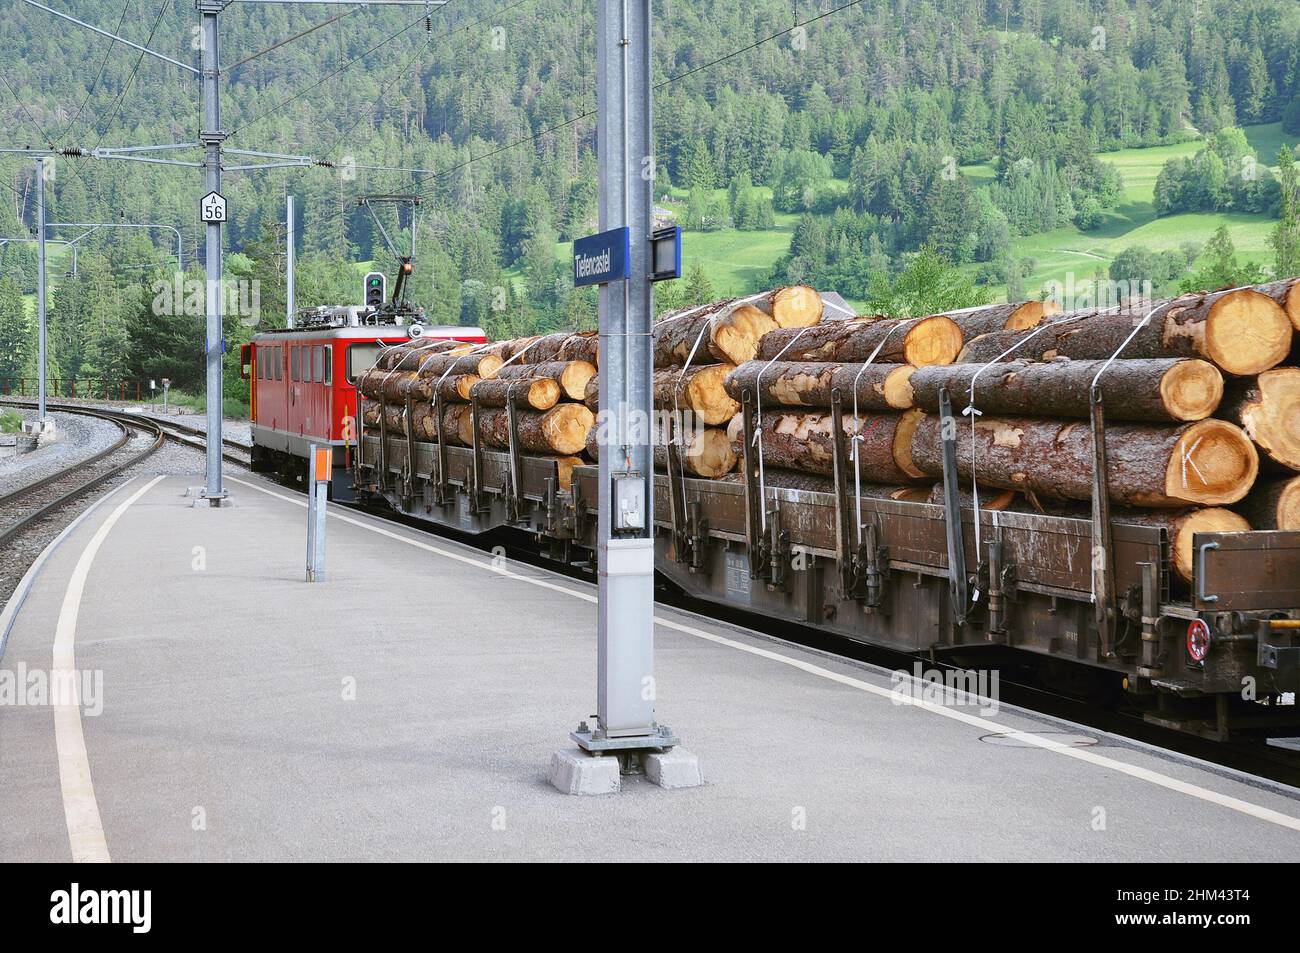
210,138
288,261
625,647
40,286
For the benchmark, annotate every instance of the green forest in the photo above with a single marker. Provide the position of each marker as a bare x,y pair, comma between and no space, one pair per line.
908,154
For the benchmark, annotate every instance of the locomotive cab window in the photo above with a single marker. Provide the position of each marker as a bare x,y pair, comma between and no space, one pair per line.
295,363
361,357
278,362
328,351
317,364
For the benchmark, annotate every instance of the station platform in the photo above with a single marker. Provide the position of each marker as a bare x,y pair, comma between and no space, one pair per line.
407,709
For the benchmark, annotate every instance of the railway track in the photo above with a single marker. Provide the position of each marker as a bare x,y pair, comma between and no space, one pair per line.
41,498
28,504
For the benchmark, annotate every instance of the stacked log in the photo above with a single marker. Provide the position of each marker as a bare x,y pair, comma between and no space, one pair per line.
1267,407
1015,316
1287,294
936,339
1206,463
700,390
813,384
1204,395
695,349
725,332
803,441
551,421
705,453
572,376
1159,390
1273,504
1241,331
562,346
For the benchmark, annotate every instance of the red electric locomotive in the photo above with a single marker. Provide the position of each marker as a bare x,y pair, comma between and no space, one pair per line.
303,383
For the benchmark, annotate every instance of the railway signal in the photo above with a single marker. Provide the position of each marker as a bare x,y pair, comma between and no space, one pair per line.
376,289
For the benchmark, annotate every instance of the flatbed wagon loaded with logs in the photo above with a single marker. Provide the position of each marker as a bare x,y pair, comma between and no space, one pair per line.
1110,496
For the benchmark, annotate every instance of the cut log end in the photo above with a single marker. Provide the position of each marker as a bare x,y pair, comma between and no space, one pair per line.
797,307
1191,390
707,394
1031,314
574,378
564,466
1213,464
903,443
933,340
566,427
1247,332
710,455
1210,520
738,338
1291,304
543,393
1287,508
898,387
1273,421
463,384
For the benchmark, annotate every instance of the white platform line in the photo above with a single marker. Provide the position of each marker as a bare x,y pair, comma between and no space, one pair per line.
984,724
80,809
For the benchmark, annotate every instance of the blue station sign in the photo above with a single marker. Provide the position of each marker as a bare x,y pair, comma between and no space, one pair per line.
602,258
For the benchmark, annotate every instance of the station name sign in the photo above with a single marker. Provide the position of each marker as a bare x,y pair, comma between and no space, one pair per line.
601,258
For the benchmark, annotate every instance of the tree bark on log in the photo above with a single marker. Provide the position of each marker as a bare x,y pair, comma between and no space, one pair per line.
990,498
561,346
1273,504
529,393
812,384
481,364
456,420
789,480
582,346
700,390
1268,409
560,431
591,394
798,440
391,387
572,376
1210,462
1157,390
1016,316
1242,332
919,342
731,334
507,349
409,356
